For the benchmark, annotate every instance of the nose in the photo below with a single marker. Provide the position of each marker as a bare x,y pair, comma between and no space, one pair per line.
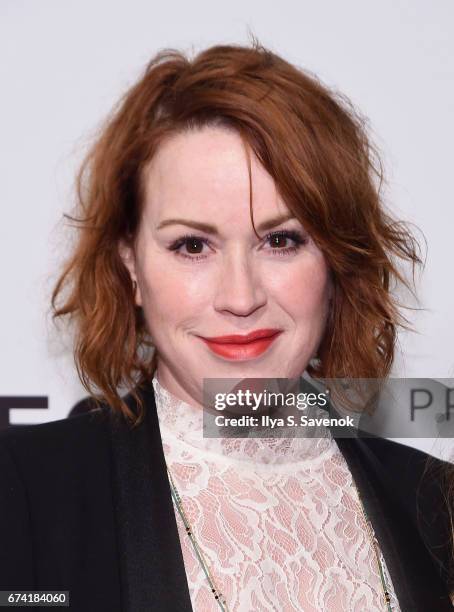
239,288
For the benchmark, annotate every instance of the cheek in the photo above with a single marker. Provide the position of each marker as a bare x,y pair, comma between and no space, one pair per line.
304,289
170,296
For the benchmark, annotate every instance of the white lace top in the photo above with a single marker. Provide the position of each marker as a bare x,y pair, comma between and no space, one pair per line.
278,520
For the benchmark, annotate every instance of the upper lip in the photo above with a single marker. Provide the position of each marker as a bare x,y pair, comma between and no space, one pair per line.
243,339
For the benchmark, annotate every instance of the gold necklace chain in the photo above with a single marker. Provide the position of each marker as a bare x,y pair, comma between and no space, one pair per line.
219,597
375,544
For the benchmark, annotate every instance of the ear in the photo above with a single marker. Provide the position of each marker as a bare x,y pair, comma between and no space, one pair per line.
128,258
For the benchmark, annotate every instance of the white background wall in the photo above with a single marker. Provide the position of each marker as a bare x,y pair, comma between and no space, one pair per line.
64,64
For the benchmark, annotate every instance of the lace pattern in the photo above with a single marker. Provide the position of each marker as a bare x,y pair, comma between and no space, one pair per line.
278,519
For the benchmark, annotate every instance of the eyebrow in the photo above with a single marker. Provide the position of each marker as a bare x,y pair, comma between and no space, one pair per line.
212,229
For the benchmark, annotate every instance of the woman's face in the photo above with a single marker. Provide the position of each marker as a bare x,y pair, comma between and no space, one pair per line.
223,280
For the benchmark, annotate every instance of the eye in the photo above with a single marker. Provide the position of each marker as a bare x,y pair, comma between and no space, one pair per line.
193,245
279,241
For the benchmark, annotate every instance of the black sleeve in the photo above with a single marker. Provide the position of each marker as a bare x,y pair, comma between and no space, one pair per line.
16,552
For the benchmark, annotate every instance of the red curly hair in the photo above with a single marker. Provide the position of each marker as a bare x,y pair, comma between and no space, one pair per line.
314,145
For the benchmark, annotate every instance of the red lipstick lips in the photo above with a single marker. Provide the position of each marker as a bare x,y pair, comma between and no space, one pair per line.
242,347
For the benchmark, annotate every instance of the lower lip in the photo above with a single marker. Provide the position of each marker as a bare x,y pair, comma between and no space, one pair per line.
240,352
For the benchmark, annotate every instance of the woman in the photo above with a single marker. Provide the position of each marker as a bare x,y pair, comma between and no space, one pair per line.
230,226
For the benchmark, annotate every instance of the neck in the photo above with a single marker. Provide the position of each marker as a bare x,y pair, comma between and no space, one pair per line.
178,390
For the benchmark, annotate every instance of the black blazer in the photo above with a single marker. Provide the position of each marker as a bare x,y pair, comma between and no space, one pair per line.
85,506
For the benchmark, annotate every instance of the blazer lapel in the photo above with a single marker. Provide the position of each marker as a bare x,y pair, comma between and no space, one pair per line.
151,563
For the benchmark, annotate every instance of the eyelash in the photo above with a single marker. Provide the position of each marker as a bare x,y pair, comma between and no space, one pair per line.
298,238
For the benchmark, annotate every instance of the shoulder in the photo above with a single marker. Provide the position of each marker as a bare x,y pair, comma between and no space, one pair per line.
416,479
401,465
79,443
50,454
386,452
56,435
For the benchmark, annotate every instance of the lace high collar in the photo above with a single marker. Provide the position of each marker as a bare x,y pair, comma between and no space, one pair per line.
182,423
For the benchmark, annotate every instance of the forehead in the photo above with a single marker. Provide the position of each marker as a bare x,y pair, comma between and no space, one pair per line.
205,173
